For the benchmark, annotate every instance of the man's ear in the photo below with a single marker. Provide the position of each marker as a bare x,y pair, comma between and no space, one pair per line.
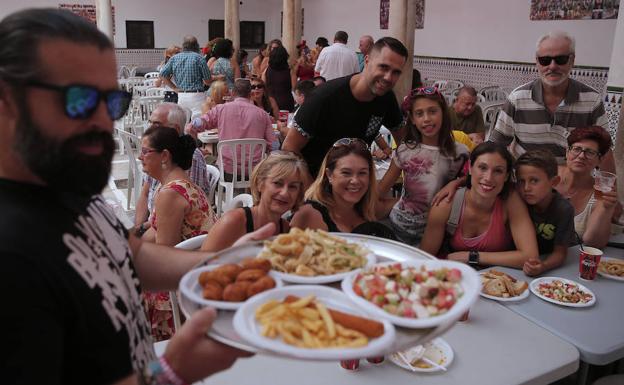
8,108
555,181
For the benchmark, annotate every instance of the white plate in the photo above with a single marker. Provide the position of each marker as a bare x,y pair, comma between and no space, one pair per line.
248,328
534,288
470,283
191,288
520,297
438,351
319,279
614,277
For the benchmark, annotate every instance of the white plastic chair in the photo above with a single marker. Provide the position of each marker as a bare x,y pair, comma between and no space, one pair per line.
242,151
151,82
132,144
493,93
148,104
151,75
439,84
490,114
155,91
241,200
189,113
189,244
213,180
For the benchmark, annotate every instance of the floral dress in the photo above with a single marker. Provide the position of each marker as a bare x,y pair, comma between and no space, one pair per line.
197,221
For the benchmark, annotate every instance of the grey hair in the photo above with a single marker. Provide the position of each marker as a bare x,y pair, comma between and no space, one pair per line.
242,88
176,116
557,35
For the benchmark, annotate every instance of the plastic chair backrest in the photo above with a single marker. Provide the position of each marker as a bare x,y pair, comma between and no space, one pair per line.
439,84
241,200
490,113
189,114
155,91
242,154
132,144
493,93
150,82
151,75
213,180
148,105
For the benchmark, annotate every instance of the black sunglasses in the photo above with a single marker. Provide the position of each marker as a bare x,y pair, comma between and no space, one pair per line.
81,101
257,86
560,59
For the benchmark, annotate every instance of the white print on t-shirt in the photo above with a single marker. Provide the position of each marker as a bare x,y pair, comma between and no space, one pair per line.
101,256
374,124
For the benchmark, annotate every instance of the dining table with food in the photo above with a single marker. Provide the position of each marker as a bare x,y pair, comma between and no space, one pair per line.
348,308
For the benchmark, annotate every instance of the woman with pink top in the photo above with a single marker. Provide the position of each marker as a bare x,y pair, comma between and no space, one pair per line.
490,224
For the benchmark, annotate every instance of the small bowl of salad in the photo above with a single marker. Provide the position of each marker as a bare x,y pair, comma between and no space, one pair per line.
414,294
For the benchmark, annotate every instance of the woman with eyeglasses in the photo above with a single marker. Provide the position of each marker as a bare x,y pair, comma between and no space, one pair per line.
276,187
260,97
181,209
593,215
487,223
344,195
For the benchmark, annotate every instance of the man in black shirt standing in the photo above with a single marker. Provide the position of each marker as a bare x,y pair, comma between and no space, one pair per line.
72,274
354,106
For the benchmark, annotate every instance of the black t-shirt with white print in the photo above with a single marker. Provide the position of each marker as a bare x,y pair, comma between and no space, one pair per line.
71,306
331,112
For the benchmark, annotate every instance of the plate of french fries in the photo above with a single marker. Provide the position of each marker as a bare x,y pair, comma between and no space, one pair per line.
314,256
311,322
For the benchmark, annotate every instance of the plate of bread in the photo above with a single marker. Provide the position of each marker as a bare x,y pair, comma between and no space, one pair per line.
501,286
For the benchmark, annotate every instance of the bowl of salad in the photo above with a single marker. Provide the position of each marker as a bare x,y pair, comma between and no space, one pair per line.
414,294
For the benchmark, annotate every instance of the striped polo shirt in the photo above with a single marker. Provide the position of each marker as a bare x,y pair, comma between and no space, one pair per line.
525,123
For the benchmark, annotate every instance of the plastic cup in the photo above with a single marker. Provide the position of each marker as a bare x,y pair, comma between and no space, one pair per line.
283,116
603,182
376,360
350,364
589,259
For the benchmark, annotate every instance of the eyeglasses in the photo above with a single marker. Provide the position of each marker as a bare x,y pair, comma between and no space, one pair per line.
560,59
589,153
351,141
257,86
81,101
145,150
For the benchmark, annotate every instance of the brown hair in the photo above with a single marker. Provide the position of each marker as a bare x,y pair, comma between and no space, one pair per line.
321,189
595,133
542,159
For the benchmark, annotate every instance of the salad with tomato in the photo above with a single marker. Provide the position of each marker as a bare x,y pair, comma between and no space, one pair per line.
412,292
564,292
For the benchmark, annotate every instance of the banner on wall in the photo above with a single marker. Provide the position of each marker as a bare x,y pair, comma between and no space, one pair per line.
574,9
384,14
86,11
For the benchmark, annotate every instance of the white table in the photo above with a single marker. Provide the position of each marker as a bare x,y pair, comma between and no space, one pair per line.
209,137
597,331
495,346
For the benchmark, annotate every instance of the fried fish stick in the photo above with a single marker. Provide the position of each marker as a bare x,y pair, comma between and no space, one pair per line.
368,327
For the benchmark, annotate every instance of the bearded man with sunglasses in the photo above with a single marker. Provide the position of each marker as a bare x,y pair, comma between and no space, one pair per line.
72,274
542,113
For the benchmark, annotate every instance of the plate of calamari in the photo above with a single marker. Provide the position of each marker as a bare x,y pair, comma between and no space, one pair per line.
611,268
314,256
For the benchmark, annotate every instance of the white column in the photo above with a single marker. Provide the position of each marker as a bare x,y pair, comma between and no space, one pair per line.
232,22
104,17
616,79
401,26
298,22
288,28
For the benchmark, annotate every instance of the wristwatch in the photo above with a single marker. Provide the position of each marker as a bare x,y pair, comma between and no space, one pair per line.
473,257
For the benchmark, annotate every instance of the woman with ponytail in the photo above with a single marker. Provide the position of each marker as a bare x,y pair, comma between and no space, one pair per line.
181,209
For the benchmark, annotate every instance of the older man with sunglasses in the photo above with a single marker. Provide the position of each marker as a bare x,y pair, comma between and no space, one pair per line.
541,113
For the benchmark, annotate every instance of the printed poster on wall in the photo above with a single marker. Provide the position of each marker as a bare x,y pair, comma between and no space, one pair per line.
574,9
86,11
384,14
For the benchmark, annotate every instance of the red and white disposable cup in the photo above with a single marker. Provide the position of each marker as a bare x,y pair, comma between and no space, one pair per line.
283,115
376,360
588,262
350,364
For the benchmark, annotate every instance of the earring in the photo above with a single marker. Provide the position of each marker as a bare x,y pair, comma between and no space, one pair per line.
163,165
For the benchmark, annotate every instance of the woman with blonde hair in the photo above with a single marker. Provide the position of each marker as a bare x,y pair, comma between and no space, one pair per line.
343,196
219,92
276,187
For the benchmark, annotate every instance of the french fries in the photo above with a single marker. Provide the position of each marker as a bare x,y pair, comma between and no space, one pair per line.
305,326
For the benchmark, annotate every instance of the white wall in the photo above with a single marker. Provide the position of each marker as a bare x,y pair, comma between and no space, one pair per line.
476,29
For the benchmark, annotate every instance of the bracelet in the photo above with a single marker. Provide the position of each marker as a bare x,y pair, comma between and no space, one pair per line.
159,373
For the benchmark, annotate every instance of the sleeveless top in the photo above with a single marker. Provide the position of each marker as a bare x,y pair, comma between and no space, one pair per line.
279,86
497,237
580,220
368,228
199,218
250,222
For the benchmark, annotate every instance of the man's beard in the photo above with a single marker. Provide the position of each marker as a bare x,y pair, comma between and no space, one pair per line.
60,164
564,77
